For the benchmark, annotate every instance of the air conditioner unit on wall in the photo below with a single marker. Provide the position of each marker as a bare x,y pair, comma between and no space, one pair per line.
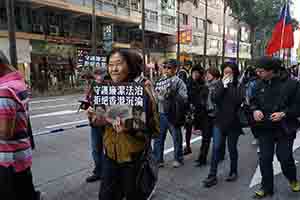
54,30
37,28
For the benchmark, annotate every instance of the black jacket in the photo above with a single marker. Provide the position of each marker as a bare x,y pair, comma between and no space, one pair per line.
228,102
197,94
280,94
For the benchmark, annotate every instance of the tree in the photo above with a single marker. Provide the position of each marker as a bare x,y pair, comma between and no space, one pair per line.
258,14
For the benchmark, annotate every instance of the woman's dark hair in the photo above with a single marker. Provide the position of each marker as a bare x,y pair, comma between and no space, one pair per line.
133,60
199,68
214,72
235,70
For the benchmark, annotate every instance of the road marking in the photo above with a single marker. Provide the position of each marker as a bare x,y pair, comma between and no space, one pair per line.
47,101
66,124
63,112
256,179
56,106
196,139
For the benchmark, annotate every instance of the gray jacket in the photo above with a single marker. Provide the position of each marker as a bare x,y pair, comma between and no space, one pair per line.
168,88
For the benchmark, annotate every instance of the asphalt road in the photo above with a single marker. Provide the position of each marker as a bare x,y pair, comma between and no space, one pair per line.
62,161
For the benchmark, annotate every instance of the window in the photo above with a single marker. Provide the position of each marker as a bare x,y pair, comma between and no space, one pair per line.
214,44
135,4
123,3
168,20
215,28
195,22
183,19
198,23
3,16
232,32
152,15
198,41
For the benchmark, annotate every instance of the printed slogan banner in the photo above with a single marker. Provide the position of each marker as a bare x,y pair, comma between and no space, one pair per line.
124,103
163,85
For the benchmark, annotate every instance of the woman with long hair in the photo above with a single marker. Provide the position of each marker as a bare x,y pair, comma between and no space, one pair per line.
228,100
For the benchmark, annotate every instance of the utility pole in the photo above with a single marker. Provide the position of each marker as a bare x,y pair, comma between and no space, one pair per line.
238,44
94,42
143,34
178,31
205,36
11,23
224,32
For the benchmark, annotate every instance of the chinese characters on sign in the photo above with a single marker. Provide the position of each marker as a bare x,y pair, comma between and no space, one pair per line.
121,102
162,85
109,95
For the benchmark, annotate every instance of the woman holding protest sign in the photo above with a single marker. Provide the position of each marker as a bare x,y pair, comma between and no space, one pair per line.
125,147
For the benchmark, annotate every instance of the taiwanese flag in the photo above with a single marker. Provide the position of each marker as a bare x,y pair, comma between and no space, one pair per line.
282,36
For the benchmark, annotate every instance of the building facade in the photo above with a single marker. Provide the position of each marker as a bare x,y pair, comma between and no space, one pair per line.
53,35
161,23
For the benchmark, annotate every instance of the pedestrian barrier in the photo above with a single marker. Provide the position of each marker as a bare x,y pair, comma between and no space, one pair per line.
48,132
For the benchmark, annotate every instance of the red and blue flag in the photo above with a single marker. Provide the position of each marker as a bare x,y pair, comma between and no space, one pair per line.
283,35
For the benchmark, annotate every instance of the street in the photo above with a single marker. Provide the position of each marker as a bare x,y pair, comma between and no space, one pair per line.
62,161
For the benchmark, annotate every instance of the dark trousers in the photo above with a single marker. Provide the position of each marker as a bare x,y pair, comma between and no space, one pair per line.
97,149
16,186
119,181
284,153
232,142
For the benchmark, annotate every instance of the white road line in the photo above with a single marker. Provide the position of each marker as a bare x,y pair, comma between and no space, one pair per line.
66,124
46,101
63,112
194,140
56,106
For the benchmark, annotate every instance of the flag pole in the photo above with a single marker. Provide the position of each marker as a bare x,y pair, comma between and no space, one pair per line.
282,31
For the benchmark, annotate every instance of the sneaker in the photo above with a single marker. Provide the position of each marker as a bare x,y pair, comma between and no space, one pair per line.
93,178
161,164
210,181
177,164
295,186
39,195
200,164
258,150
261,194
232,177
187,151
255,142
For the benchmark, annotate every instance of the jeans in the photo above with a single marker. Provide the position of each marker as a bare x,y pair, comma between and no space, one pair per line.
15,186
232,142
284,153
97,149
159,142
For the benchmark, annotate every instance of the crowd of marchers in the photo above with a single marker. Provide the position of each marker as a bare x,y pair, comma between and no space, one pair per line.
217,103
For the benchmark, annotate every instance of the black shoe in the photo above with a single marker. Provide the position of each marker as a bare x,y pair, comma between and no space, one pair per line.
200,164
187,151
261,194
210,181
93,178
232,177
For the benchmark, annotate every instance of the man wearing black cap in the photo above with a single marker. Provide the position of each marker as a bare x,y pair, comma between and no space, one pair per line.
275,107
172,98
